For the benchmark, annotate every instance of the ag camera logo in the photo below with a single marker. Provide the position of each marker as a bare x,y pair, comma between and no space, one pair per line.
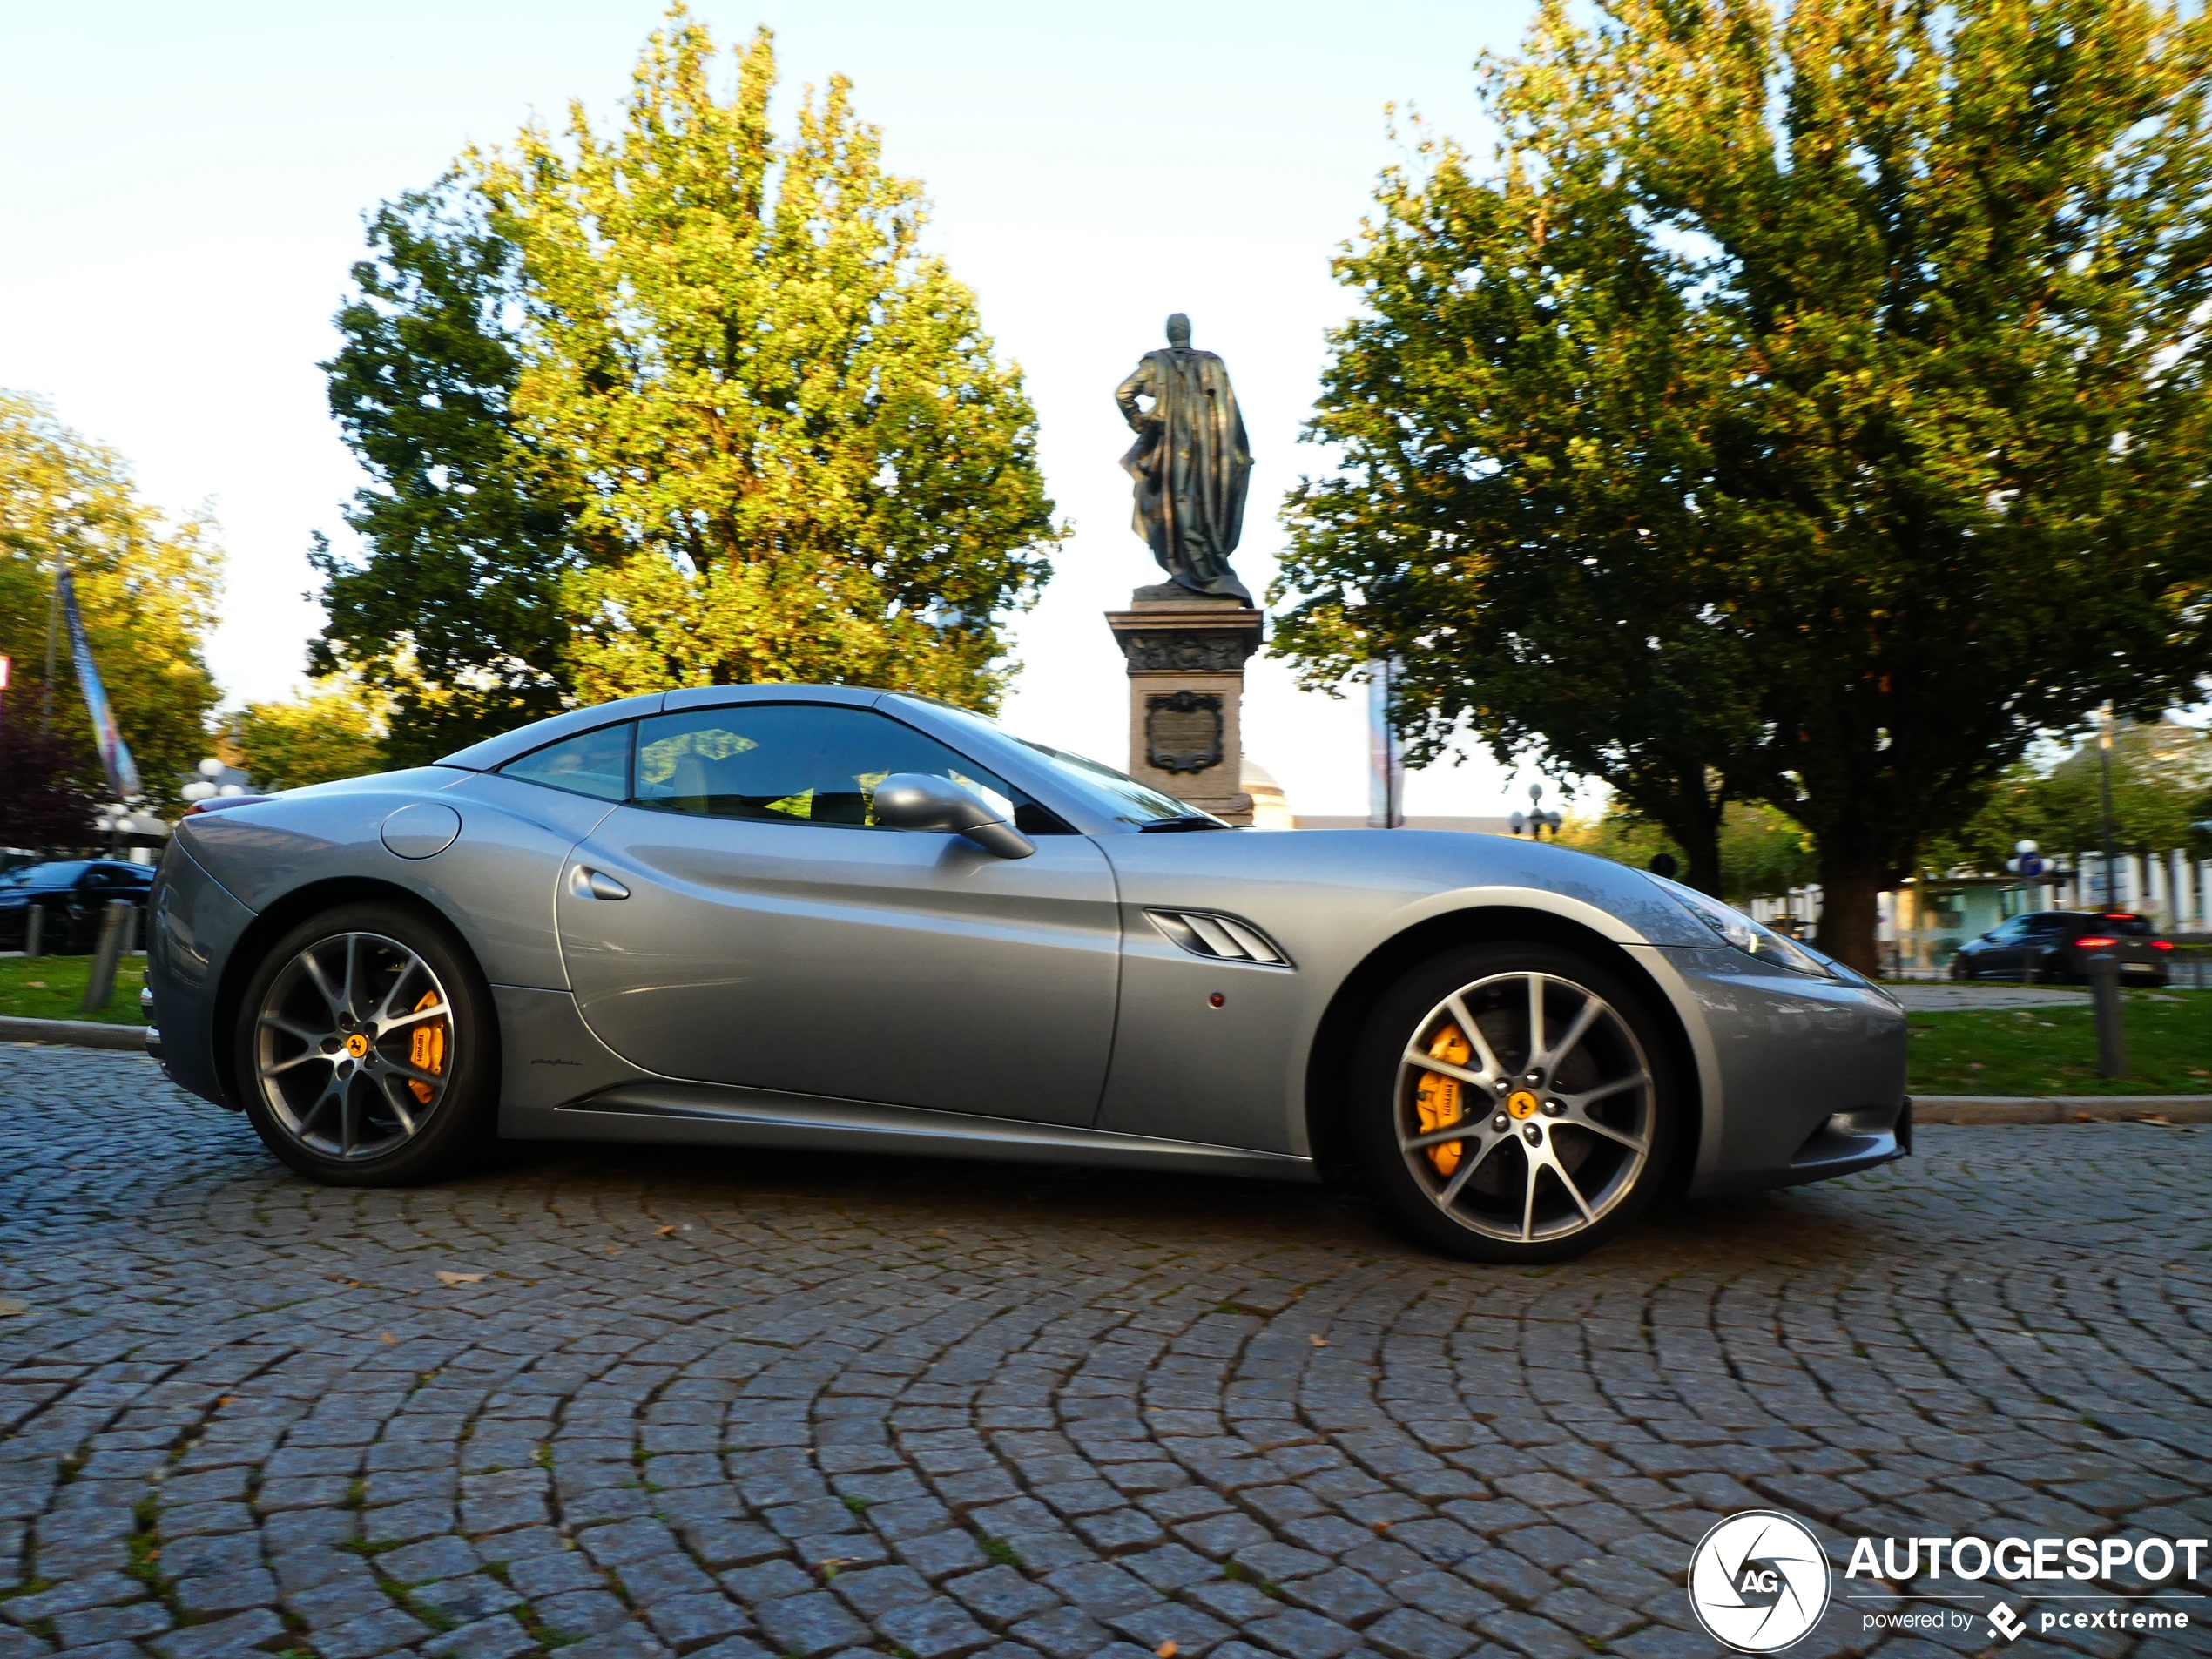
1759,1582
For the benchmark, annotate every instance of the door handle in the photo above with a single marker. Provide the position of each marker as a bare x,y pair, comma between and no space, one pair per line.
594,884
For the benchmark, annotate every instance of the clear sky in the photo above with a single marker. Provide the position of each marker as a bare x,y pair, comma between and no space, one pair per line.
184,186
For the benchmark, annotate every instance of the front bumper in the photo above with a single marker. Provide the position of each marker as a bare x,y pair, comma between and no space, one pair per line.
1802,1079
194,925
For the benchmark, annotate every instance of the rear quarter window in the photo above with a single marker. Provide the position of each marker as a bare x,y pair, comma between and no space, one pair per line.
591,763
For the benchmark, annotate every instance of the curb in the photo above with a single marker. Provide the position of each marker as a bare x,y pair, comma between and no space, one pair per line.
77,1034
2060,1108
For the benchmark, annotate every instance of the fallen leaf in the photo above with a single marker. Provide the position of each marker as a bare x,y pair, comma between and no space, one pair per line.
387,1337
1166,1651
2153,1118
663,1233
1382,1525
10,1306
227,1400
1318,1342
460,1278
614,1249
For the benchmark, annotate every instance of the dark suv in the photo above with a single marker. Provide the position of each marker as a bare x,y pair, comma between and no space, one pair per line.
2056,945
73,892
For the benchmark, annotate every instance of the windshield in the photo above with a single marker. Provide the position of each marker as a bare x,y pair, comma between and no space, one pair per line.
2116,922
42,875
1116,793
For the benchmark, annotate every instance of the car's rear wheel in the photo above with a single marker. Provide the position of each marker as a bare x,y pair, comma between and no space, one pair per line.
364,1049
1514,1104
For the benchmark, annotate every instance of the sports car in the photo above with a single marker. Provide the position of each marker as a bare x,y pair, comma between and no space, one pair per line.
830,918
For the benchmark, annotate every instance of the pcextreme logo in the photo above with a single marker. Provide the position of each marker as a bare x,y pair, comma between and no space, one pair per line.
1759,1582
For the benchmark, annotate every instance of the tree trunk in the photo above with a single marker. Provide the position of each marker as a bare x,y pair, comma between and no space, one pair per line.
1704,871
1688,807
1849,913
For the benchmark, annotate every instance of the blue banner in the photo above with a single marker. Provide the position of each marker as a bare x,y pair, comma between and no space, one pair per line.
115,754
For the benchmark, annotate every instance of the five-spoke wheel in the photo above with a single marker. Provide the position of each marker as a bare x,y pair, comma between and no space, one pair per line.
1512,1109
358,1048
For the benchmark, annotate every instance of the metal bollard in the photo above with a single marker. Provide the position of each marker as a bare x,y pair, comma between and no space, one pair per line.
114,928
2112,1035
34,930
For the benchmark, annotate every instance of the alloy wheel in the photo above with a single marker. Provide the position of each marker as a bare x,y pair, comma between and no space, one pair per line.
1525,1107
354,1046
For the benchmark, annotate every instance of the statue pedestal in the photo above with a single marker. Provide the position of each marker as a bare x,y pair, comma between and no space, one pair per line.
1186,659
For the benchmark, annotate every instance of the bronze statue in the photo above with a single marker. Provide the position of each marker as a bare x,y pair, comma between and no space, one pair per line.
1190,463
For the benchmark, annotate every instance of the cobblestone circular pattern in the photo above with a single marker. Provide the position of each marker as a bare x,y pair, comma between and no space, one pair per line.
738,1405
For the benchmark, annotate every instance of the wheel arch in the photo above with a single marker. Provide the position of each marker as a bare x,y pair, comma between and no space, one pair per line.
286,914
1329,1061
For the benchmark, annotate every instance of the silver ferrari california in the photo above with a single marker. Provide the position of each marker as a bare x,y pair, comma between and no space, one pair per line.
822,917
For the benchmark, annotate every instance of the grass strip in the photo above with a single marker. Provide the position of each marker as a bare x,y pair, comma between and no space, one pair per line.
52,988
2053,1050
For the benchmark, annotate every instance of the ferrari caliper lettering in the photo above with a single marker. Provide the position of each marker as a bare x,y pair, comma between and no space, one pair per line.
426,1050
1437,1098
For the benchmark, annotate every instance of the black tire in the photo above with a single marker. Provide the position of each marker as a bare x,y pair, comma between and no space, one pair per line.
1520,1199
409,1098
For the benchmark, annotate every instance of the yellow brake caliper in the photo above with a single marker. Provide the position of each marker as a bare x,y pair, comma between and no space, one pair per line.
426,1051
1437,1098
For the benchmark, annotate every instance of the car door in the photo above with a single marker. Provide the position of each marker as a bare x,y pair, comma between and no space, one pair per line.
2000,949
2040,950
771,936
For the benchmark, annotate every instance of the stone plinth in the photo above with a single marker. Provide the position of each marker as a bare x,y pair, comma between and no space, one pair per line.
1186,658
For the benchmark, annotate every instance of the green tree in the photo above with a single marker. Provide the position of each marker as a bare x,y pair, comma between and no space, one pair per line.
147,588
2161,781
1839,363
693,401
1762,853
456,613
335,730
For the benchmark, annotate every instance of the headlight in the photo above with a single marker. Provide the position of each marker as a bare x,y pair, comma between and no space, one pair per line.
1745,934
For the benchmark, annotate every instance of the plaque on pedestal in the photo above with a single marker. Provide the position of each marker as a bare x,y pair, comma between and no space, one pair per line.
1186,656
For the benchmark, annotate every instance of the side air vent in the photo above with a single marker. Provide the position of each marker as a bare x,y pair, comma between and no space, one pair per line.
1223,939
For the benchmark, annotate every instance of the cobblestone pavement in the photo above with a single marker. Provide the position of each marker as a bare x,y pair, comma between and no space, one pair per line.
738,1405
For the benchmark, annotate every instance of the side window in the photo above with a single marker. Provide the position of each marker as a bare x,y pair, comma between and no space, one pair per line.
592,763
792,763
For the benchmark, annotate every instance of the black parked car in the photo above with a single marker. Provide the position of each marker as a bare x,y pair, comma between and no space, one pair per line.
73,892
2053,946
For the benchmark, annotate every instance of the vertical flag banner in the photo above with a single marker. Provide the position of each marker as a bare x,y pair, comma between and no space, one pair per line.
115,754
1386,757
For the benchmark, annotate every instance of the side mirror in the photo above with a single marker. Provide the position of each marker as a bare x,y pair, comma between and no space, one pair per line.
914,800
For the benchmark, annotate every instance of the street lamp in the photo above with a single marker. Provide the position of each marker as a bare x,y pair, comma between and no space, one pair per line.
1536,820
204,787
2104,784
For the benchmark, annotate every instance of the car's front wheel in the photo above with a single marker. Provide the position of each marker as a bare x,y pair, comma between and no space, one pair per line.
364,1049
1514,1104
